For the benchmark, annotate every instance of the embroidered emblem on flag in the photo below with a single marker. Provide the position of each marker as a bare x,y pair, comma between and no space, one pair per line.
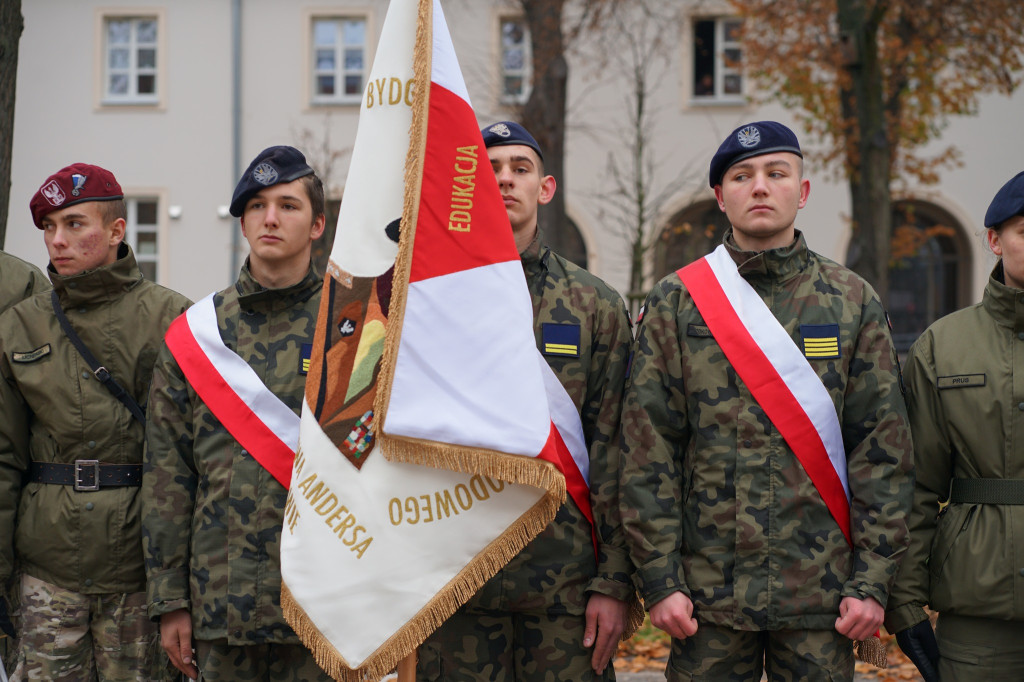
360,438
561,339
821,341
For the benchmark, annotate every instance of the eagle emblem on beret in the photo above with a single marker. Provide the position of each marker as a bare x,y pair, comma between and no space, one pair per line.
500,129
749,137
53,193
265,174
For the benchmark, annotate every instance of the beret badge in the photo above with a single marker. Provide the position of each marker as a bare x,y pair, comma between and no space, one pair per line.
500,129
748,137
265,174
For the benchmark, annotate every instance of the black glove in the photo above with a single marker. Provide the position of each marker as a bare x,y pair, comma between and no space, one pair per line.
918,643
6,626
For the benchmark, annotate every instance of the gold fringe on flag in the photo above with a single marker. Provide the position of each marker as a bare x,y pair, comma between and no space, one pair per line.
447,600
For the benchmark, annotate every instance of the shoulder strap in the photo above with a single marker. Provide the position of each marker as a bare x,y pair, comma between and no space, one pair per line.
98,370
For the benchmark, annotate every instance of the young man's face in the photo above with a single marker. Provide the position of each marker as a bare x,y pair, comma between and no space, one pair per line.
761,197
78,238
523,187
278,223
1008,244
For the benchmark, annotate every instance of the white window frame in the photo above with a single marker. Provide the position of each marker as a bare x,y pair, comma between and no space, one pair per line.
133,229
340,70
133,70
525,71
722,67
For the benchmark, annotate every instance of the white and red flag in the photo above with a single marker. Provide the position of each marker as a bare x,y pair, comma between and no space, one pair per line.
433,444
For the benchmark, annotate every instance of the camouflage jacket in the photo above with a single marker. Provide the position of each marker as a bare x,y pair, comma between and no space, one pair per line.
714,502
965,412
54,410
212,515
557,569
18,280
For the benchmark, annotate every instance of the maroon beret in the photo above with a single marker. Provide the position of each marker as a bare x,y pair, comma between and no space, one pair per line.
72,185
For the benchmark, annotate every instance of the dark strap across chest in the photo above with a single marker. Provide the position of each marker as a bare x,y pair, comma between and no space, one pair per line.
99,371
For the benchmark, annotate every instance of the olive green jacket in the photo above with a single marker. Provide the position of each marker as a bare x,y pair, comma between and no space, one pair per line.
967,416
18,280
212,515
715,503
55,410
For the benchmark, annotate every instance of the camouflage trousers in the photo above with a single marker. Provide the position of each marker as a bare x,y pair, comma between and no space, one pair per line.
973,649
475,645
721,654
75,637
220,662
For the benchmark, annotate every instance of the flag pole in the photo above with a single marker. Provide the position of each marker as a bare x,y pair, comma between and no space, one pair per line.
407,668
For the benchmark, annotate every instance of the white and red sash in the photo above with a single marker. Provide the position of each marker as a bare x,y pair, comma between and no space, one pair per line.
778,375
573,458
262,424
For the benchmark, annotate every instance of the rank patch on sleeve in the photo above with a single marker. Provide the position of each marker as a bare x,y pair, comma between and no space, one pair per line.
32,355
307,353
821,341
561,339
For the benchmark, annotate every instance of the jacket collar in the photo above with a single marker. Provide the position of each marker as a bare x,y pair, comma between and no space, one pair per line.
779,264
103,284
253,295
1004,303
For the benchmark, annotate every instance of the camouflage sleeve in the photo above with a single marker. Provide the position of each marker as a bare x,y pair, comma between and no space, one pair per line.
600,417
14,463
879,456
169,482
653,438
933,470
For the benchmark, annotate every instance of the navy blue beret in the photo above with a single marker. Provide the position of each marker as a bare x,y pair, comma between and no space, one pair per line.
272,166
1008,202
752,139
509,132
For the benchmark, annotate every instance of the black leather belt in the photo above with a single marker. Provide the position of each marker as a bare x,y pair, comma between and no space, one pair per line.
987,491
86,474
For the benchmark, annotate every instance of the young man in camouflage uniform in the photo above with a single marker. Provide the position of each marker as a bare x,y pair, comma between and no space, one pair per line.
739,558
18,280
213,514
553,613
70,453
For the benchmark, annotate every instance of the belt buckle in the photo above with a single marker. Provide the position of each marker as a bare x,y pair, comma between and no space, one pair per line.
87,465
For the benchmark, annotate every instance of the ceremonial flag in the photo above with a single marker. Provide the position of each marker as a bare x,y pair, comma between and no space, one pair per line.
429,450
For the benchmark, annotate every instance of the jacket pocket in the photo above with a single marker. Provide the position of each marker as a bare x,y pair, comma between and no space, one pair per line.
953,523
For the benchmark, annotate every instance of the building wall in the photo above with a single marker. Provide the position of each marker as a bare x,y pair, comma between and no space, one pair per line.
181,150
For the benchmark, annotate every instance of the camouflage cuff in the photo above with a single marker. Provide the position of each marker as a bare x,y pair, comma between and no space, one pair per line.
904,616
167,591
660,578
614,564
873,576
615,589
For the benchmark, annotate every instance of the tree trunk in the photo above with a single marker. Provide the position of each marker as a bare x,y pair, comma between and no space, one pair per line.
868,153
11,26
544,112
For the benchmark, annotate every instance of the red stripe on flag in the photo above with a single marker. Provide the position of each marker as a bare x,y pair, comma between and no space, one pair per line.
767,387
556,452
236,416
462,222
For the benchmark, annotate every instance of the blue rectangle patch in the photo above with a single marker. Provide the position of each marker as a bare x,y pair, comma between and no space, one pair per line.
820,341
307,353
560,339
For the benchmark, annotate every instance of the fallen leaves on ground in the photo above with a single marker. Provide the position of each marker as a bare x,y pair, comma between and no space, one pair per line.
648,649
